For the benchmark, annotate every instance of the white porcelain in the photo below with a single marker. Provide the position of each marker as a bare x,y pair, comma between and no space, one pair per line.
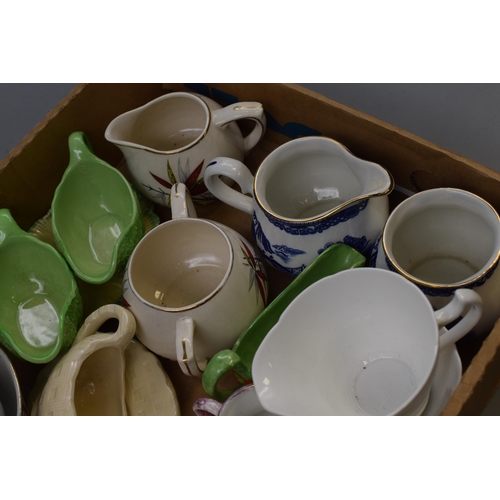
10,391
172,138
446,379
242,403
193,286
442,240
361,342
307,194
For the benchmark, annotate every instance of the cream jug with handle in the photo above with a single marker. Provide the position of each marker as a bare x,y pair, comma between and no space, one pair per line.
172,138
307,195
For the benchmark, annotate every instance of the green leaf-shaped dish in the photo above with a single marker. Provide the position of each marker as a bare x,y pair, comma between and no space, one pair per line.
95,215
40,304
238,360
96,296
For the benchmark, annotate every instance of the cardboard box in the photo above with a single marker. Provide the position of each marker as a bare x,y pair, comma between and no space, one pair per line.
31,172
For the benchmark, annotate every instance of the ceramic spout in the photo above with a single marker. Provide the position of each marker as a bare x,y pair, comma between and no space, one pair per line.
374,179
8,225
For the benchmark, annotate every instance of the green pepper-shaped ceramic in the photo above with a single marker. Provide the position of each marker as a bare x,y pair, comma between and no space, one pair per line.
238,360
96,217
40,305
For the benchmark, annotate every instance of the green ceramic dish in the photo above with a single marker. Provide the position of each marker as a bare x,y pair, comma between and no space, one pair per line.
95,215
239,359
40,304
96,296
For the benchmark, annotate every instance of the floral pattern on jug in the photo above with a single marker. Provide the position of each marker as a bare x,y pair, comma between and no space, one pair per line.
283,252
194,183
257,275
187,129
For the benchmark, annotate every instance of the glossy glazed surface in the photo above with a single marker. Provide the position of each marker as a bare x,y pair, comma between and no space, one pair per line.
11,403
171,139
344,348
446,380
95,296
40,305
193,286
442,240
96,217
239,359
242,403
308,194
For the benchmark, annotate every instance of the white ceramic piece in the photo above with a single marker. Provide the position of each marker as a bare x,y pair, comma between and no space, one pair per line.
307,194
445,381
442,240
243,402
11,403
361,342
172,138
193,286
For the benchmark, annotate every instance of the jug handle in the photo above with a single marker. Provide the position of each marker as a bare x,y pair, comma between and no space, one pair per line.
236,171
184,345
243,111
205,407
223,362
181,203
463,300
126,323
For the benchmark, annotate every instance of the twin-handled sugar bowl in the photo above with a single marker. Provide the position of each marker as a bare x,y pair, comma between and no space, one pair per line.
172,138
307,194
193,286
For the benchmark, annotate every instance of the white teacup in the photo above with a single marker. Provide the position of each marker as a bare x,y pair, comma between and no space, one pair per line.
360,342
308,194
444,239
193,286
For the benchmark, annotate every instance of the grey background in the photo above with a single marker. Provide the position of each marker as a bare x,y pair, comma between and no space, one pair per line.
464,118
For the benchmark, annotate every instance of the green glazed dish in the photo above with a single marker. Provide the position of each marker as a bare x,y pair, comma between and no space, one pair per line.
40,304
96,217
96,296
238,360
